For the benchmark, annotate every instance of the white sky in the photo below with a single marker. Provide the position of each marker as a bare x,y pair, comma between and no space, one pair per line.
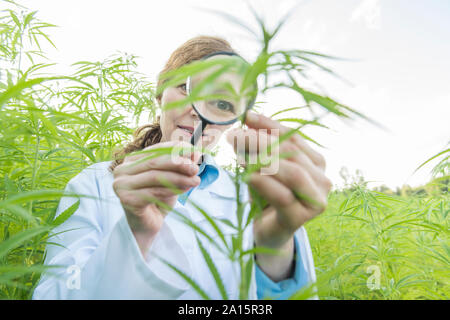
400,68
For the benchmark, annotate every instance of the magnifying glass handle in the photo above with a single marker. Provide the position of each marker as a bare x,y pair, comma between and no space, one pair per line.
198,132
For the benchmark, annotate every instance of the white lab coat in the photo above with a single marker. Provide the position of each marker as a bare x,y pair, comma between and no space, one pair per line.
100,257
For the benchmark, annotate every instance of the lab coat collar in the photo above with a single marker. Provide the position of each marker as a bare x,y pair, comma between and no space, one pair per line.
211,198
224,185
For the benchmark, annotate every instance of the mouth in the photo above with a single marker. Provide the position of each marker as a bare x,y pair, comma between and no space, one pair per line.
189,130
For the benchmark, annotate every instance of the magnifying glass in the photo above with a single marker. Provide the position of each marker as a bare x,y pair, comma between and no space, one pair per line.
219,91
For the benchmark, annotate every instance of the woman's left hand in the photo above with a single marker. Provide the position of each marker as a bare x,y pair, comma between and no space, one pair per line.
303,172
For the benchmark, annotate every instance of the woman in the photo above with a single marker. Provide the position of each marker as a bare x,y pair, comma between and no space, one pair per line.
113,247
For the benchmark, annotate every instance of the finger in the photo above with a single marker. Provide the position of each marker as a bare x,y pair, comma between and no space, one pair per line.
251,141
259,121
147,151
165,163
293,213
156,178
184,162
142,197
290,151
298,179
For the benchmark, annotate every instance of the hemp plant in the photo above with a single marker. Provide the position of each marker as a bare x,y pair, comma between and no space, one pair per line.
52,126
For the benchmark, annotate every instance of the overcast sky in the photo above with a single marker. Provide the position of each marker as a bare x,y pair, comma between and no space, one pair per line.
399,71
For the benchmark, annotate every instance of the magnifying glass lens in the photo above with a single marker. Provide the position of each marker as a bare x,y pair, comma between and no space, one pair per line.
219,94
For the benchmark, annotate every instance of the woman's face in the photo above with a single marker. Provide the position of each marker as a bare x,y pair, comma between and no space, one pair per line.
178,124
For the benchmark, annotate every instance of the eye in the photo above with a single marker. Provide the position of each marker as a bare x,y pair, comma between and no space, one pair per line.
224,105
182,87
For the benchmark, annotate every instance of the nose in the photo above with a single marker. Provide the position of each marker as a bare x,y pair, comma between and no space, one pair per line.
193,113
196,118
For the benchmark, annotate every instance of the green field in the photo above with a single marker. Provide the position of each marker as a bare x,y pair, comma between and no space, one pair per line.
405,239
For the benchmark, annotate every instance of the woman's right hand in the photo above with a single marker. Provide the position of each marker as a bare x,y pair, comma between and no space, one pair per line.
136,184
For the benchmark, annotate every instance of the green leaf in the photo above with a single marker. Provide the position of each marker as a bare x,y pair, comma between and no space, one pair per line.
213,269
432,158
228,223
286,110
190,281
15,90
303,122
212,223
21,212
232,19
246,279
16,240
261,250
30,196
66,214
